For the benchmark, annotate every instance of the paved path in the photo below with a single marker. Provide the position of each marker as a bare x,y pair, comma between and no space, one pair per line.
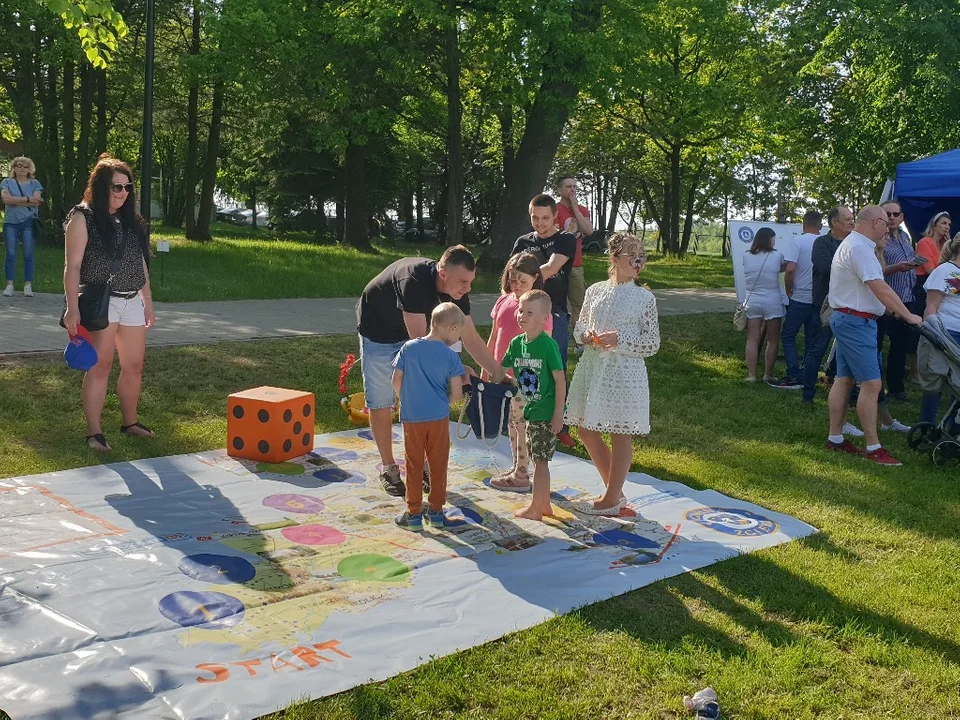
30,325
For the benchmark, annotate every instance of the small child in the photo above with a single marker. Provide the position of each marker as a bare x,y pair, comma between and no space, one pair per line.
534,357
428,377
521,274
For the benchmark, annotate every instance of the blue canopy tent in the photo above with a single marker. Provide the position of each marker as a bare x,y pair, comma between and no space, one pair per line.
928,186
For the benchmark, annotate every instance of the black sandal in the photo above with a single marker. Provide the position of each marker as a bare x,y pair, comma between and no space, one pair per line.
102,440
125,429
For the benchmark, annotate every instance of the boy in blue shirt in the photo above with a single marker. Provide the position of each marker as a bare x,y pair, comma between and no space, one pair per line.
428,377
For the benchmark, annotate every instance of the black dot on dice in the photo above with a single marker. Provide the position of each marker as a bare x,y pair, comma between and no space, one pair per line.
306,411
287,445
297,427
306,439
238,443
287,415
237,412
264,416
263,446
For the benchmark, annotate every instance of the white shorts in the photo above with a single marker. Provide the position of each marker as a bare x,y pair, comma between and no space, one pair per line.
128,312
765,309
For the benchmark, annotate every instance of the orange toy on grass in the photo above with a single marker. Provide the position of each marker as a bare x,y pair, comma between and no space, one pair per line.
354,404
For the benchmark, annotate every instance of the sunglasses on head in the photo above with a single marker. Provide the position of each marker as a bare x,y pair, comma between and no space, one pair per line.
121,187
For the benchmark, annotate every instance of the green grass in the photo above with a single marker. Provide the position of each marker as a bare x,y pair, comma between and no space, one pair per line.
241,264
859,621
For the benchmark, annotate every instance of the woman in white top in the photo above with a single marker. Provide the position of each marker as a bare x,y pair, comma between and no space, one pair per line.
943,300
762,266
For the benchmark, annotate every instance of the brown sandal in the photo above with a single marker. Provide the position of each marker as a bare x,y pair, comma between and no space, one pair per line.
125,429
101,445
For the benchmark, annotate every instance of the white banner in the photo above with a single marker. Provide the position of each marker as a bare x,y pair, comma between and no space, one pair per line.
741,238
203,587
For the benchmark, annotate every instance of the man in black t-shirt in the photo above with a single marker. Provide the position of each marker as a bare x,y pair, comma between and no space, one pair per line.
394,308
556,251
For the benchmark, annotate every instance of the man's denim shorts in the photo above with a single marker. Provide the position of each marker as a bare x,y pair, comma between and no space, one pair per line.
856,346
376,364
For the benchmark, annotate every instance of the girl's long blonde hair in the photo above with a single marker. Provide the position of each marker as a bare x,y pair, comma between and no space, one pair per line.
951,249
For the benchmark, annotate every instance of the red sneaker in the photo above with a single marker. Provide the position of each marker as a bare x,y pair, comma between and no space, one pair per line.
563,437
846,446
881,457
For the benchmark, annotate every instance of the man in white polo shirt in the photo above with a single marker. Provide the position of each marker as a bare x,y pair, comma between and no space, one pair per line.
858,296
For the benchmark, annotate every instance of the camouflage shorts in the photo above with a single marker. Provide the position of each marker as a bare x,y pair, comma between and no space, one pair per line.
541,440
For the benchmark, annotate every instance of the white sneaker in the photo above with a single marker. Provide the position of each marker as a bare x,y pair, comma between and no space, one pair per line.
9,291
851,430
896,426
28,290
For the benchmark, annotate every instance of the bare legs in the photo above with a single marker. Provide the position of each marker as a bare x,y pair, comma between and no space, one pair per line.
95,383
540,502
381,425
131,345
754,326
773,347
612,464
866,407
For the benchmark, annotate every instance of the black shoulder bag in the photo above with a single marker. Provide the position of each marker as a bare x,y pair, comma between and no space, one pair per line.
37,227
94,299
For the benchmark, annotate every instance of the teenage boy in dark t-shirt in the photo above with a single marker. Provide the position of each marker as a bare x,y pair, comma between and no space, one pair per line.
394,308
556,251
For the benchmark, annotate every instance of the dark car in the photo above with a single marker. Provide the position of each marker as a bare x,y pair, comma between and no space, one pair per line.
597,242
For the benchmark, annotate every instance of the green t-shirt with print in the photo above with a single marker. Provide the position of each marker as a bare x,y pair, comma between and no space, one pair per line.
533,364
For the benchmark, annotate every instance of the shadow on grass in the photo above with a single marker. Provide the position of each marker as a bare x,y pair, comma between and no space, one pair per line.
659,614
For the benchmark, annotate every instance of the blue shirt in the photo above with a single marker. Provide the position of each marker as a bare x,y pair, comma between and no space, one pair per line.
898,250
20,213
427,367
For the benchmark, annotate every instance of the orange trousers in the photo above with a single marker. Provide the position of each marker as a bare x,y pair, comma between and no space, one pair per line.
430,442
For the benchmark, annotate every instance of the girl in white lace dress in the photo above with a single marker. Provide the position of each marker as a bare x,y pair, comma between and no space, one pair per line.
609,392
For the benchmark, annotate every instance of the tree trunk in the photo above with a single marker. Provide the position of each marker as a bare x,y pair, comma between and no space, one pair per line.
419,202
193,141
615,206
253,206
341,217
100,146
408,216
83,143
455,178
355,192
210,164
632,225
691,199
507,140
672,240
604,187
563,63
51,158
69,133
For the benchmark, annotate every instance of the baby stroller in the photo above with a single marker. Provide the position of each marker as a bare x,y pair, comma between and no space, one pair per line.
939,359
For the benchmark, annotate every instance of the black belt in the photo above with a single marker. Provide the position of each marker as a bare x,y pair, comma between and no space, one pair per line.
125,295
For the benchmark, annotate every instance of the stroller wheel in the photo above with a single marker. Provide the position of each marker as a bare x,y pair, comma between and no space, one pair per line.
946,453
923,437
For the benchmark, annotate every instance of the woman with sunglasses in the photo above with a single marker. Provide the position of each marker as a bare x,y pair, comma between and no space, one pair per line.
105,226
762,266
21,194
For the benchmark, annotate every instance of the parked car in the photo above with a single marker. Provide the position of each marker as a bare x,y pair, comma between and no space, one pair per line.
225,214
429,235
597,242
245,217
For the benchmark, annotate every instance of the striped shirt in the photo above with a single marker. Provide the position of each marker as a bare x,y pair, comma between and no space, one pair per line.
898,250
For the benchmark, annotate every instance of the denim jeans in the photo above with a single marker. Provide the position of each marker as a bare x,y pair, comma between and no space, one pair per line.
799,315
11,232
816,349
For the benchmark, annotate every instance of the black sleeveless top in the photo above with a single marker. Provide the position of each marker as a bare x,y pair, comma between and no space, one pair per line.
98,256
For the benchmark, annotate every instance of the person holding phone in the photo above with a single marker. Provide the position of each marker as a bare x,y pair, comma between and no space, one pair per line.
900,274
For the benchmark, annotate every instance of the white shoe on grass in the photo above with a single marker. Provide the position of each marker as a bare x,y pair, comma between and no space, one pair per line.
896,426
851,430
8,292
28,290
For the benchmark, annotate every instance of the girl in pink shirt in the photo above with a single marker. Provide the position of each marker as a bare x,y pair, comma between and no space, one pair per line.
522,273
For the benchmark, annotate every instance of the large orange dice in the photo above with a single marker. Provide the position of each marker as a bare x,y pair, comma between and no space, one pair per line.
270,424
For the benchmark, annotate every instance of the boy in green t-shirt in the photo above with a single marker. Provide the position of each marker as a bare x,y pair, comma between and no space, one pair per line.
538,371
